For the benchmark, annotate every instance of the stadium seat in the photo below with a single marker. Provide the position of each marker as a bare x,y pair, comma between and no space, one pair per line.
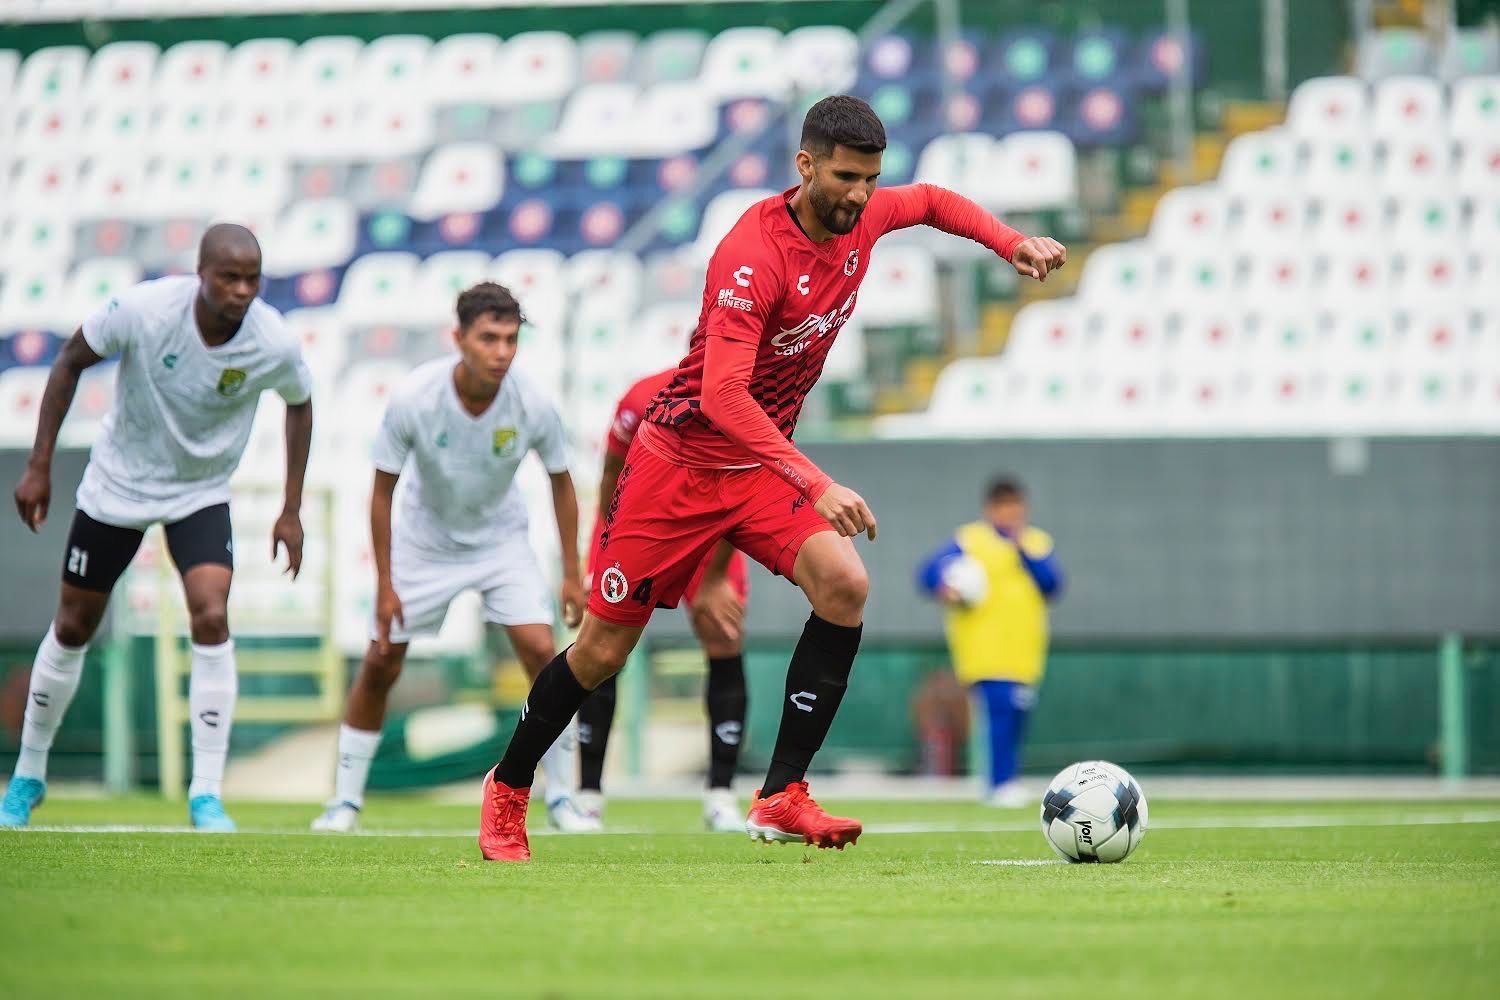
311,234
257,123
259,66
119,130
606,57
182,125
1427,217
671,55
324,340
34,297
92,402
20,403
1034,170
1096,56
962,162
121,72
442,277
1470,52
744,62
1347,220
326,67
29,239
1433,268
1393,52
252,186
1360,270
1049,332
46,185
661,333
821,60
609,279
900,288
461,177
1408,107
51,77
10,67
1161,55
1121,271
1103,115
95,281
1200,276
1339,165
394,127
598,119
1475,108
1330,107
191,71
1478,176
1023,56
380,290
460,71
322,127
51,130
536,279
536,66
1279,273
1418,164
179,187
393,64
670,118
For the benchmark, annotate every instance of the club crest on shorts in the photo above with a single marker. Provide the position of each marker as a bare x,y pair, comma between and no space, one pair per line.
504,441
613,586
852,264
231,381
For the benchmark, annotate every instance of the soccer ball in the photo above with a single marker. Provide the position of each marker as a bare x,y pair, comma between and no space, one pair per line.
965,576
1094,811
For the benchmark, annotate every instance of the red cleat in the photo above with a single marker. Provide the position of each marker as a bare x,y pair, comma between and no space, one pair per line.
791,816
502,821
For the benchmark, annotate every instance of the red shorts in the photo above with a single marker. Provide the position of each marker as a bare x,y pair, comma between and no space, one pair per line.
738,570
665,519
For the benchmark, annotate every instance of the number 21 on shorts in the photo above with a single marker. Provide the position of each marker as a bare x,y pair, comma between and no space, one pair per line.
78,561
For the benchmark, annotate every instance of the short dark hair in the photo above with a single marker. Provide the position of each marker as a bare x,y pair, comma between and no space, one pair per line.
842,120
1005,488
488,298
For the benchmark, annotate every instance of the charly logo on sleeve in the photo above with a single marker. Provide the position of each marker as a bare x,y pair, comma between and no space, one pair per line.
231,381
504,442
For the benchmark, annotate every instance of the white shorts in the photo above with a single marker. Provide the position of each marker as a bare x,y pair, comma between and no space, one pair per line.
107,502
506,575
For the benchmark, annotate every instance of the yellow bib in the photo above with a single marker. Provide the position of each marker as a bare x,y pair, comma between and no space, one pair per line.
1004,636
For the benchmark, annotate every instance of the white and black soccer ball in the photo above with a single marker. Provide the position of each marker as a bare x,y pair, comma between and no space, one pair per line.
1093,812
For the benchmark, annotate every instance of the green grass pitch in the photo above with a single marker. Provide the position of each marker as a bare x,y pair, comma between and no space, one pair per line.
1239,900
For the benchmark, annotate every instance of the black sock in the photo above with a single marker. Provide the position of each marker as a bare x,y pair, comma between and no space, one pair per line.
594,720
726,697
815,683
554,697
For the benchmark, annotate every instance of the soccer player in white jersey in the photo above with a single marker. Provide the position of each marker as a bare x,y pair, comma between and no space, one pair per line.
458,430
196,351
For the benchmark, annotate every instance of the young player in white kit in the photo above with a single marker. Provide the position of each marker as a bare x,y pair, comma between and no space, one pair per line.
196,351
458,430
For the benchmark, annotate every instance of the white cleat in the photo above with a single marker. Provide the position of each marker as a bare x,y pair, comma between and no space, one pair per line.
591,804
339,817
1008,796
565,816
721,812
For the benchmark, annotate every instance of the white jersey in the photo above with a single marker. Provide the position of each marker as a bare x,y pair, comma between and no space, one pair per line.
458,495
183,410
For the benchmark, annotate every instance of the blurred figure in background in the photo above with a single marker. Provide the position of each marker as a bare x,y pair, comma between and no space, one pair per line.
995,578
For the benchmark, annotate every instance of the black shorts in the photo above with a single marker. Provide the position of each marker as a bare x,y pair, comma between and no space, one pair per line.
98,554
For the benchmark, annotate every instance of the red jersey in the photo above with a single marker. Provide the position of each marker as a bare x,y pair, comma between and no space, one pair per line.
773,302
630,409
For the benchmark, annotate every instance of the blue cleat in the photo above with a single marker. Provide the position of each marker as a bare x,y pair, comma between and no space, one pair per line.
21,796
207,812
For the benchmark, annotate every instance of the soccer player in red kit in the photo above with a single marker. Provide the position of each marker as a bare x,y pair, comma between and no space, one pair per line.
715,461
716,598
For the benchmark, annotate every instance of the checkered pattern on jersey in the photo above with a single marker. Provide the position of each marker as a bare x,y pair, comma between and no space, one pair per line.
780,387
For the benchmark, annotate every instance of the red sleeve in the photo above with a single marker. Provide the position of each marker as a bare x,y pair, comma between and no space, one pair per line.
726,400
928,205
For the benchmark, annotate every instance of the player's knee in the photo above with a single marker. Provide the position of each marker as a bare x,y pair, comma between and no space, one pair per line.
534,652
846,586
595,661
716,643
210,624
380,671
73,627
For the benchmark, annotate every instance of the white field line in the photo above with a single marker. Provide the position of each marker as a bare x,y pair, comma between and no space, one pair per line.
1189,823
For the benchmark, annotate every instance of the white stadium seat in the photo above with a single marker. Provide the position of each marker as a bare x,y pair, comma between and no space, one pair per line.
20,403
1409,106
821,60
459,177
379,290
744,62
461,69
121,71
900,288
1330,107
393,64
312,233
535,66
191,71
1196,214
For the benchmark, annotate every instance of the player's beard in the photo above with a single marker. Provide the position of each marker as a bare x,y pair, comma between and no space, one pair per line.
835,219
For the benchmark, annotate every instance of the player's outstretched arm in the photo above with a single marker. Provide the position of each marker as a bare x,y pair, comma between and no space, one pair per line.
1038,257
930,205
34,492
387,603
565,507
288,529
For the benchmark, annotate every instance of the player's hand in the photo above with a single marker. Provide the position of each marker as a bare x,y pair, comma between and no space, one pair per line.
1038,257
846,510
573,598
948,597
34,495
387,608
288,532
717,608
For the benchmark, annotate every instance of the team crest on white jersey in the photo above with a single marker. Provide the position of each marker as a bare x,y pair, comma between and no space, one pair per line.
852,264
613,586
231,381
504,441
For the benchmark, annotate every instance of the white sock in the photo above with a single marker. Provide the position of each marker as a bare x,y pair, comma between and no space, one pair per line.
211,693
560,764
54,679
356,749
